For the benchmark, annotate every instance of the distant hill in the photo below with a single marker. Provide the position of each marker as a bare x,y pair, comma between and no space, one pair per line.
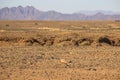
31,13
87,12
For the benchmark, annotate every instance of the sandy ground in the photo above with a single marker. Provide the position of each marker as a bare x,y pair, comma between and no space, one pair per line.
45,50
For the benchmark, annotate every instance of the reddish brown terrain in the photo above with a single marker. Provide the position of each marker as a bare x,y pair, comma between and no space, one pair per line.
59,50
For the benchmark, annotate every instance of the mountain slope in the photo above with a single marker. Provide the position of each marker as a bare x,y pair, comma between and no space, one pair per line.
19,13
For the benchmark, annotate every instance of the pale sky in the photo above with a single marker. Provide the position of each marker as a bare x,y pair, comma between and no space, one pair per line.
65,6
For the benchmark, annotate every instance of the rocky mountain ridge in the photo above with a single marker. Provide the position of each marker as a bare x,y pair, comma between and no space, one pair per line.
31,13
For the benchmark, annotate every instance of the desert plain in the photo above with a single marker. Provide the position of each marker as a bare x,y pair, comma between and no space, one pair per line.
59,50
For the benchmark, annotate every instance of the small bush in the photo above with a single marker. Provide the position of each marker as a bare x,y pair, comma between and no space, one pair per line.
104,40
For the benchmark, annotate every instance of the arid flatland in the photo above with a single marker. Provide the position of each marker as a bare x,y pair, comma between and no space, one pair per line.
59,50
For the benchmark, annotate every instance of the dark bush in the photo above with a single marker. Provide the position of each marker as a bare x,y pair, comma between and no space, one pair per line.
104,40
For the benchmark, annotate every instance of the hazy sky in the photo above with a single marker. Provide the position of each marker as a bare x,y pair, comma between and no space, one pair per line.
66,6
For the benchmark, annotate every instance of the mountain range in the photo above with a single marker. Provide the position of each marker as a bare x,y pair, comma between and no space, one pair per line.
93,12
31,13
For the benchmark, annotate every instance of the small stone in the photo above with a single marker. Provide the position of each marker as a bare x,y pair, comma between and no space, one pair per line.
92,69
63,61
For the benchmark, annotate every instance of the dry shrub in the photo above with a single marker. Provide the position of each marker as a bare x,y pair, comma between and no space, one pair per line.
66,43
11,39
36,23
115,42
7,25
42,41
4,39
31,41
117,20
84,41
46,40
104,40
63,40
49,42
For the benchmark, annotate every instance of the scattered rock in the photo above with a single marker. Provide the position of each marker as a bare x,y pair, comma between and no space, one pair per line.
92,69
63,61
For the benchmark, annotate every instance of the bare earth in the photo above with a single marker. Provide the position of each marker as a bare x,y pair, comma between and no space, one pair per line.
59,50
